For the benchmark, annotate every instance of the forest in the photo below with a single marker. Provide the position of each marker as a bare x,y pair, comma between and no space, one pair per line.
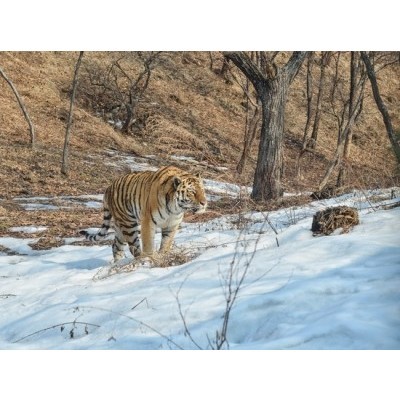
300,121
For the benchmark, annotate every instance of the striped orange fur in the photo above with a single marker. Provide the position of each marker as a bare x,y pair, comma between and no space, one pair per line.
145,201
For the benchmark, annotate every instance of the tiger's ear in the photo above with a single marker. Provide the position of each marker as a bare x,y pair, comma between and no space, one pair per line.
198,175
176,182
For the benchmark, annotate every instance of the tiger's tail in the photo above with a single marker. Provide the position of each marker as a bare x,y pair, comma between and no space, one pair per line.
104,227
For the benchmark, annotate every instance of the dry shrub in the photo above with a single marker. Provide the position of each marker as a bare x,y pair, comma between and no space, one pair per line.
327,221
6,250
172,136
175,257
328,192
46,243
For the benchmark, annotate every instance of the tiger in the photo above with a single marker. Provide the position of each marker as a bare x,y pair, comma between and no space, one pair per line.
141,202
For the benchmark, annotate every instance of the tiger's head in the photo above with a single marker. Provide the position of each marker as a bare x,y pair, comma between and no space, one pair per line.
189,193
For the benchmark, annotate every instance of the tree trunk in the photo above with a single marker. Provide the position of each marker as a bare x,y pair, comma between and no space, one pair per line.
309,86
337,158
129,117
324,62
349,137
64,165
381,106
268,174
272,84
22,106
309,97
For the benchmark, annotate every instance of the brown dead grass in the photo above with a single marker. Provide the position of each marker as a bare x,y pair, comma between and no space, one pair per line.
327,221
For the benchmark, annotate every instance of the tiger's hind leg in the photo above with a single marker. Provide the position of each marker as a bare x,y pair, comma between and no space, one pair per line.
134,244
118,245
130,231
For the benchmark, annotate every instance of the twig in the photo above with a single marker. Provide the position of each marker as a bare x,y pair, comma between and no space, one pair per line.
56,326
140,302
137,321
187,331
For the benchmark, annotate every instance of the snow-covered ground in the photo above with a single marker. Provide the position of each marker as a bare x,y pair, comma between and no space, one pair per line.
299,292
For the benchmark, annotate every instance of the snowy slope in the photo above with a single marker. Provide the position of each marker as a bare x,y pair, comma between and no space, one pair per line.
331,292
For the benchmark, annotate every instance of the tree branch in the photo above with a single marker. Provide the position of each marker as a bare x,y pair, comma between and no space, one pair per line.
381,106
293,65
22,106
247,66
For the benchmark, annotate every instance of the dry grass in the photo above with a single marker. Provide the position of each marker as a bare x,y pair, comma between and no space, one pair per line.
60,223
177,256
327,221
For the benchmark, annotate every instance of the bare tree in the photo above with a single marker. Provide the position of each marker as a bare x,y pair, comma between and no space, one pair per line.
309,84
314,112
355,70
309,90
272,84
22,106
380,104
325,59
122,86
64,165
346,108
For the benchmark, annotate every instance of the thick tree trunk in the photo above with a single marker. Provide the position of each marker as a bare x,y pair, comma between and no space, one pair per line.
268,174
272,84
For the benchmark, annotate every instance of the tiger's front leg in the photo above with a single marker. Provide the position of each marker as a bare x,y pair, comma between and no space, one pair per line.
148,232
167,238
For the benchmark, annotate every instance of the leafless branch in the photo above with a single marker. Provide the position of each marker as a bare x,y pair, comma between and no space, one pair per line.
65,166
22,106
55,326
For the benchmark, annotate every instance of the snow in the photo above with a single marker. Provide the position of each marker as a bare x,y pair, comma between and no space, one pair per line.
28,229
59,202
330,292
299,292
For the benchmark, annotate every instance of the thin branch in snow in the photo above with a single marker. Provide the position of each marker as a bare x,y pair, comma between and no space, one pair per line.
56,326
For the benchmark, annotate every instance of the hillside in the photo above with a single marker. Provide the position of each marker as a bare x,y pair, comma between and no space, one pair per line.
188,109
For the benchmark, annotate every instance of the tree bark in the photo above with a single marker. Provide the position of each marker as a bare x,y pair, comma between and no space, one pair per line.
271,84
22,106
324,62
309,87
268,174
349,137
309,97
64,165
381,105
